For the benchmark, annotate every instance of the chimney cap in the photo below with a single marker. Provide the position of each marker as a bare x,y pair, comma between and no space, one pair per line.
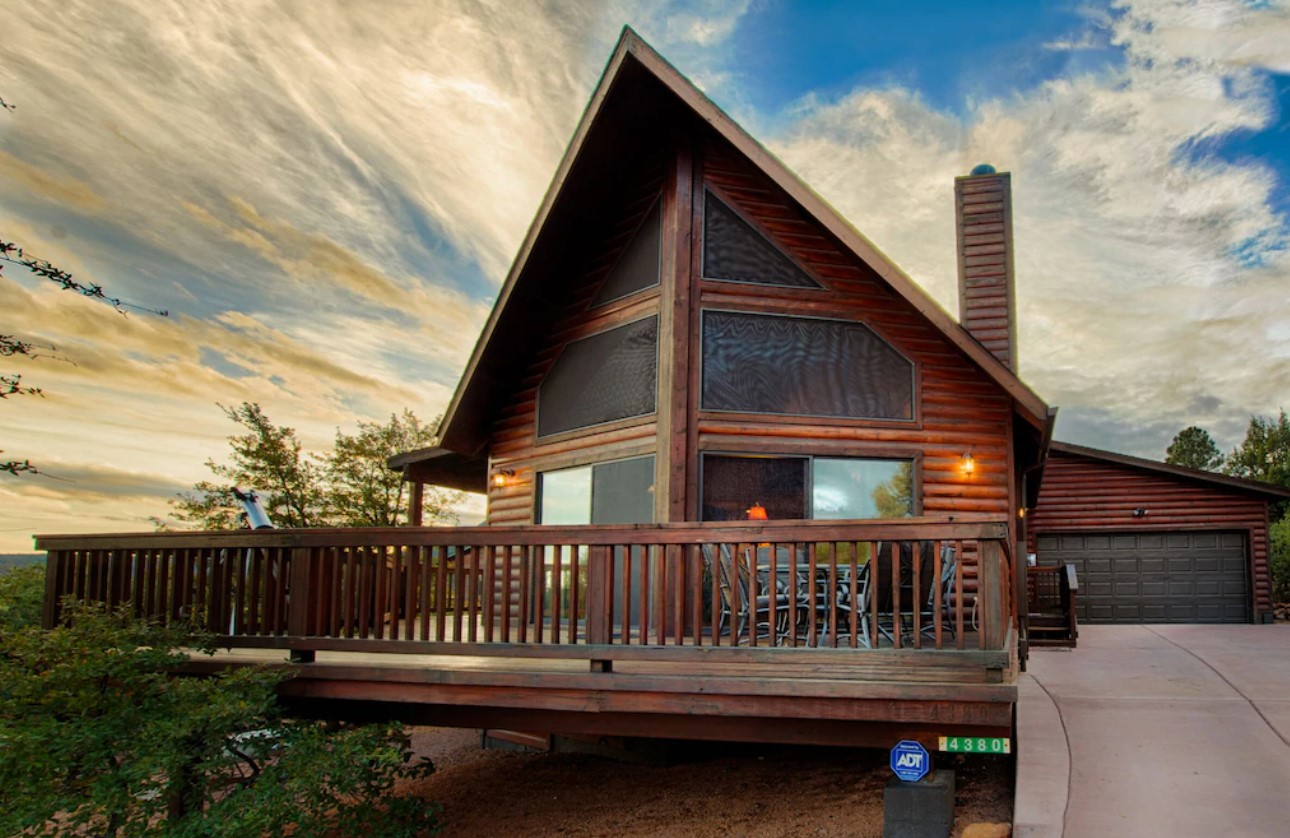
983,169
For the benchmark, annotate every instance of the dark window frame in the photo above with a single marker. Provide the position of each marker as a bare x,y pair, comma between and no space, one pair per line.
915,377
539,473
638,418
653,287
914,458
767,236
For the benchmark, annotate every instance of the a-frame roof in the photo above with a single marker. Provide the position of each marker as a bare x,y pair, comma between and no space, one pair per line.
465,424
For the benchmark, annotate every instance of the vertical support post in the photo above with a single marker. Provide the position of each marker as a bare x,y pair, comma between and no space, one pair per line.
299,600
53,564
415,499
991,596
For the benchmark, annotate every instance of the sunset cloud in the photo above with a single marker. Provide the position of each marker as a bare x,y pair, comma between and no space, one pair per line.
327,203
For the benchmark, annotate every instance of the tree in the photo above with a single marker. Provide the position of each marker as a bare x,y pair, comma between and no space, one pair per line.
362,491
349,486
1264,455
268,459
99,739
1279,535
11,345
1193,447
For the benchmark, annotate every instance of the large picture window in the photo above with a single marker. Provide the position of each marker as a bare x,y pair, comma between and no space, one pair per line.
759,363
608,376
620,492
790,488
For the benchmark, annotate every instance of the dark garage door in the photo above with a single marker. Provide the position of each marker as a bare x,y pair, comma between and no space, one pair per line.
1171,577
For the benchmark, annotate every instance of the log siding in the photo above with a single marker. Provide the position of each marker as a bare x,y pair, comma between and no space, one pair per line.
1082,493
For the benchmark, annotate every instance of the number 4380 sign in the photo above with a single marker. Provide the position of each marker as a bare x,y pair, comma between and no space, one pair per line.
976,744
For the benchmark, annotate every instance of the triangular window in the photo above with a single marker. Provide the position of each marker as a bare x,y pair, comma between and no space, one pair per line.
733,251
637,268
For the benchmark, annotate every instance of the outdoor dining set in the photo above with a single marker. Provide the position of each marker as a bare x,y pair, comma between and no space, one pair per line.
774,595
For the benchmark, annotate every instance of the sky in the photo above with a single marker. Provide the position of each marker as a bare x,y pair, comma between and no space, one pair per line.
326,197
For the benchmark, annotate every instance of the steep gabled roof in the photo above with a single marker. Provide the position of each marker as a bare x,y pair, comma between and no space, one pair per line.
1240,484
633,64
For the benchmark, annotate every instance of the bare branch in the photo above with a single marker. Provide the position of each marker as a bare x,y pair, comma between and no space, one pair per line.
11,385
13,254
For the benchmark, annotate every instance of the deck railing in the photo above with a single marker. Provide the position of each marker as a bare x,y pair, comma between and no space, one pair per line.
584,592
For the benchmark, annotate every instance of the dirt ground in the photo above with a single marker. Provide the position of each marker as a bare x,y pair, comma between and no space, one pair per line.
702,789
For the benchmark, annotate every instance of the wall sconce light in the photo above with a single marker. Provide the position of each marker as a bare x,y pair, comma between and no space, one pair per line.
1140,512
1021,512
503,476
968,465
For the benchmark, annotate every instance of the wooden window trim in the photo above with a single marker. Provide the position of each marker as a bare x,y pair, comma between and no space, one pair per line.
658,282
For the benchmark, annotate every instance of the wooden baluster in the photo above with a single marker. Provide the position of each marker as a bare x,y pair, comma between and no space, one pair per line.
508,560
557,592
916,607
411,583
440,557
676,558
488,584
875,561
937,609
459,604
958,596
895,594
600,572
625,586
575,571
396,589
853,573
694,590
526,581
812,569
539,601
660,559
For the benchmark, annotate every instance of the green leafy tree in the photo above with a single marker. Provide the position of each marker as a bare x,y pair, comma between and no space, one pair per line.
1264,455
362,491
268,459
350,486
1280,560
895,498
1193,447
99,739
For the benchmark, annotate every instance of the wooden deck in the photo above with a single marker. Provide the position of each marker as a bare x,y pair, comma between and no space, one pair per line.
623,631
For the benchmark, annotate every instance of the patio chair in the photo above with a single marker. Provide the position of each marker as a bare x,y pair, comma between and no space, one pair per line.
889,621
737,610
844,606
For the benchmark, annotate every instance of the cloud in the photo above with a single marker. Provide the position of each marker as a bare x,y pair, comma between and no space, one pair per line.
1150,280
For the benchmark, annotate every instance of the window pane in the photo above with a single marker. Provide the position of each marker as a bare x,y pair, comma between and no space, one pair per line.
623,492
565,496
612,375
637,268
731,485
758,363
735,252
862,489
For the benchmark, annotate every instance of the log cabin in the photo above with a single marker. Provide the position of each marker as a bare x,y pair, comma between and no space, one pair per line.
745,479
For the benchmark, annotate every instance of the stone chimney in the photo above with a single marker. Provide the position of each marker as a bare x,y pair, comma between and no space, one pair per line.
987,298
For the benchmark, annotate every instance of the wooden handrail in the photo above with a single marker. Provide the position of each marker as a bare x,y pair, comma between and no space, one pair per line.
458,589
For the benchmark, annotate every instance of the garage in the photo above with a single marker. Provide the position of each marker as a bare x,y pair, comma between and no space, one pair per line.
1155,577
1153,542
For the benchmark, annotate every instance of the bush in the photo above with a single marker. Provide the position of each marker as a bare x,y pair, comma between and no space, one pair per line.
1280,560
97,738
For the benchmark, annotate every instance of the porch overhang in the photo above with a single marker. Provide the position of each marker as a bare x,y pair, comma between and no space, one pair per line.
441,467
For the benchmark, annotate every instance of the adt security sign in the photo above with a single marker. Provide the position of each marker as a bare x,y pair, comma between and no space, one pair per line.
910,761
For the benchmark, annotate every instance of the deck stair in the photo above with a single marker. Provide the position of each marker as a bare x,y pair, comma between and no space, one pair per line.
1051,592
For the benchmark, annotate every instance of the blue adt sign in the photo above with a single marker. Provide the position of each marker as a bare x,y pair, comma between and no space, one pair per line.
909,761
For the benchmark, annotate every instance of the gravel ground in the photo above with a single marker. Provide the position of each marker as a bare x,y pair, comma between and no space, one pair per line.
705,789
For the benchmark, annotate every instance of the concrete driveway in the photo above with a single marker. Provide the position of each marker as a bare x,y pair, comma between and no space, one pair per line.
1170,730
